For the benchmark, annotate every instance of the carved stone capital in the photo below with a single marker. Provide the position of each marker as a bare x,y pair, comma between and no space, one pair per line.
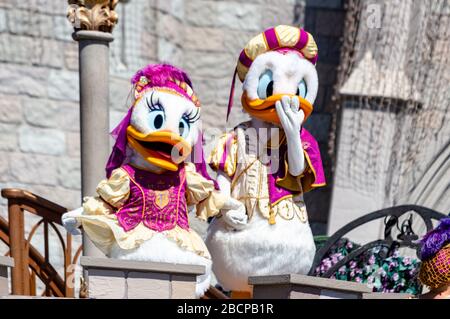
93,15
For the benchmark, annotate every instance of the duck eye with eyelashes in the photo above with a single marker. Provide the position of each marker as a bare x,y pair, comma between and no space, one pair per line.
157,117
183,127
186,121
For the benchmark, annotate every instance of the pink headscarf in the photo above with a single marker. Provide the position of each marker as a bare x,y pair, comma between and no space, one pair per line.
158,75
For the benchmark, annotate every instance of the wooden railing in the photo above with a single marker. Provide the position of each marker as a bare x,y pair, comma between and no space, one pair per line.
29,262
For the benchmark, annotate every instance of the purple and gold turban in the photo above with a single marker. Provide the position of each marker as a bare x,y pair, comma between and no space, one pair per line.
283,39
279,37
163,78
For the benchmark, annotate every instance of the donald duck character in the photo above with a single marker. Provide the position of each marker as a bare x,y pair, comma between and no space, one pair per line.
141,209
269,233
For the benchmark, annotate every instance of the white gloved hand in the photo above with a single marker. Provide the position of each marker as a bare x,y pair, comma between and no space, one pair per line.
234,214
192,209
290,115
70,221
291,119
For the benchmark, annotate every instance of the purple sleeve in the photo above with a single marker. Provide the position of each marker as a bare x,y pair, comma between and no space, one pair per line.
314,174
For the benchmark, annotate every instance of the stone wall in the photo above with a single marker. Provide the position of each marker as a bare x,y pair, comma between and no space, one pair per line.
39,140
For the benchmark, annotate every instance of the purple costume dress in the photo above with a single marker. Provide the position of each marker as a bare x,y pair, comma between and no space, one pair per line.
156,200
134,205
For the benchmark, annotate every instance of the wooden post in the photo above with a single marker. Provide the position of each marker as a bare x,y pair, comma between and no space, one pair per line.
69,270
19,250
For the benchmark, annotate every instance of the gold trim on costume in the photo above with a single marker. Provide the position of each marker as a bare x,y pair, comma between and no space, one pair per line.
313,171
143,195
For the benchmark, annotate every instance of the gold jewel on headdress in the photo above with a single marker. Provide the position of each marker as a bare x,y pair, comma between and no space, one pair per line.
140,85
143,82
186,88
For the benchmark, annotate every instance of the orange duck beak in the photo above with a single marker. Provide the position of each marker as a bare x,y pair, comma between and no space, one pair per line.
164,148
265,109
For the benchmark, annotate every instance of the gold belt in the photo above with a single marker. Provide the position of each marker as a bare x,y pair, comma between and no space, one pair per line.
253,197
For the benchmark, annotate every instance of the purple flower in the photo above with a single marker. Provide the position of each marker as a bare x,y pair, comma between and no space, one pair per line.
407,261
334,259
434,240
342,270
352,274
372,259
349,245
395,276
358,279
370,279
392,265
352,264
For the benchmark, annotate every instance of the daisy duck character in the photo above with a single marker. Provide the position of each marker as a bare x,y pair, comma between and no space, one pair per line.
269,233
141,209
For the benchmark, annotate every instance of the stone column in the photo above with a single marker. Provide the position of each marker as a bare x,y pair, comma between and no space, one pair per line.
93,22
